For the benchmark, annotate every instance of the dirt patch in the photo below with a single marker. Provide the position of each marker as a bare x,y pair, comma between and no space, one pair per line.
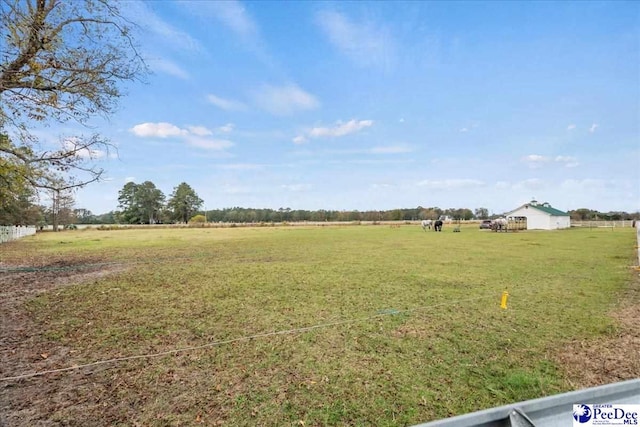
612,358
21,343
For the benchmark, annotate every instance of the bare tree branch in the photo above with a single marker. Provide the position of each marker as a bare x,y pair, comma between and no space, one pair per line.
60,60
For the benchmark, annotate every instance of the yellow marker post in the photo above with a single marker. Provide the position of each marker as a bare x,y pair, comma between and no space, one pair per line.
503,301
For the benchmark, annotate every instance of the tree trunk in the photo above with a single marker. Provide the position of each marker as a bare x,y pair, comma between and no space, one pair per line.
54,209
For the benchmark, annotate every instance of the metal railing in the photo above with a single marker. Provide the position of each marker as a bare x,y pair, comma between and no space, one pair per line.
551,411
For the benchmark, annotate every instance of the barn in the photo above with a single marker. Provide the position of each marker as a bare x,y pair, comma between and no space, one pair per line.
540,216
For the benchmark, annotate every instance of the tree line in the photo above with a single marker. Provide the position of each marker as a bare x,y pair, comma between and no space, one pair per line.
144,203
584,214
250,215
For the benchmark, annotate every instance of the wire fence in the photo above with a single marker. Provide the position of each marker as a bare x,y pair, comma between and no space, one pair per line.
9,233
336,323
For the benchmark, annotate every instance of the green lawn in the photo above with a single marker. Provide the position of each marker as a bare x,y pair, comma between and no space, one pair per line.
414,330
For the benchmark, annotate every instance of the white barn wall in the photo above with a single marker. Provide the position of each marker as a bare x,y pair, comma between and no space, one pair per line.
536,220
561,221
539,220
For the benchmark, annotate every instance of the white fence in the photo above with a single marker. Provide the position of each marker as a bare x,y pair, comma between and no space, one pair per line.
638,242
603,223
14,233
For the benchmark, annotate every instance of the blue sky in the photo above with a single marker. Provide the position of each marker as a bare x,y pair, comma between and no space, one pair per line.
358,105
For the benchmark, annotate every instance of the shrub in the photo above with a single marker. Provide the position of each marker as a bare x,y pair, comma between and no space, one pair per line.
198,219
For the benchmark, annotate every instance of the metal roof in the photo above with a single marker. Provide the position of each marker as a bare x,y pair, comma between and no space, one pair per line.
544,207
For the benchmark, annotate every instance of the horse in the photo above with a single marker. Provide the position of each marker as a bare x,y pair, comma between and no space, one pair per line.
426,223
500,224
437,225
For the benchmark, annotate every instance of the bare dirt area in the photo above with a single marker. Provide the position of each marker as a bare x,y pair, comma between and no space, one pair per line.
608,359
23,349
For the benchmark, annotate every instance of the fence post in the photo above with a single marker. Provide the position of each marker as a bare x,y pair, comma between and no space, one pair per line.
638,240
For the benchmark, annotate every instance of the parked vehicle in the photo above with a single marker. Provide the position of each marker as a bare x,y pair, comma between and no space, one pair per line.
486,224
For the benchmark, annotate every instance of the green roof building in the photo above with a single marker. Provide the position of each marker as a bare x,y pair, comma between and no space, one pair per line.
541,216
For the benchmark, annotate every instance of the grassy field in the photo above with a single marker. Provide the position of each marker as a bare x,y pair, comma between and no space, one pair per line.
407,325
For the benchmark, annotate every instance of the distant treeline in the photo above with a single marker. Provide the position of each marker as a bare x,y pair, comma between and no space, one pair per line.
290,215
591,215
249,215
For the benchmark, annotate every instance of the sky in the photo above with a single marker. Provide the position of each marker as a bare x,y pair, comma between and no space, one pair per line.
381,105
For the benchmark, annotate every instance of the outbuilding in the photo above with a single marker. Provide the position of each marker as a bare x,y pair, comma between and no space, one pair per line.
540,216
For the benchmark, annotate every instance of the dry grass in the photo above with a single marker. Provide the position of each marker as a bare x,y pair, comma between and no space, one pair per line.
418,333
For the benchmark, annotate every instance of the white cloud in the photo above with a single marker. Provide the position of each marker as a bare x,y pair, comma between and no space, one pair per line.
158,130
130,179
168,67
529,184
340,129
300,139
241,166
471,125
140,12
391,149
593,128
364,43
397,149
569,162
296,187
284,100
524,185
571,127
228,128
197,136
592,185
226,104
535,160
208,143
450,184
381,186
199,130
234,16
378,161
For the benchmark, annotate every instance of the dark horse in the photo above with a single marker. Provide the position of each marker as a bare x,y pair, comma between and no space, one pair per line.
437,225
